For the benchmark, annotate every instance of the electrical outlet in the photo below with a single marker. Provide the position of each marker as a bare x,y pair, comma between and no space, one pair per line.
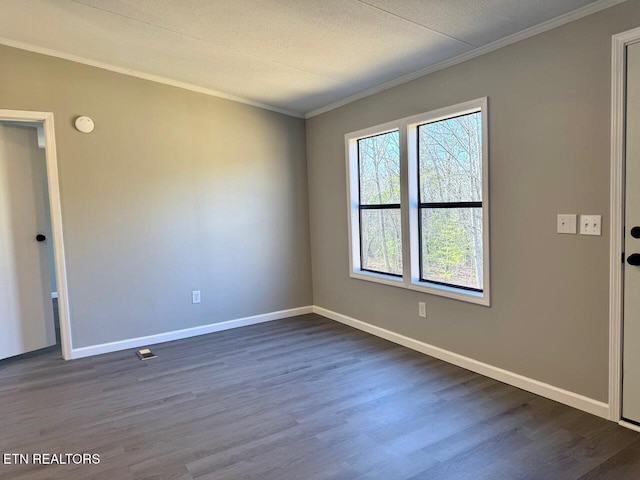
422,309
567,223
590,224
195,296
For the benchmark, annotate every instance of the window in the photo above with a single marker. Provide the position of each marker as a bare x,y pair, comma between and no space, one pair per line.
450,201
379,203
418,202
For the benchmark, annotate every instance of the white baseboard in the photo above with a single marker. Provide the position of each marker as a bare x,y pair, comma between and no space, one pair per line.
572,399
629,425
186,333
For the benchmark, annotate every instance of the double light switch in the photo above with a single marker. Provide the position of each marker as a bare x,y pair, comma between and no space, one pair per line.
589,224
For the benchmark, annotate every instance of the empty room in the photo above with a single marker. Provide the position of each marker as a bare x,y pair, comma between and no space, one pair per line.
319,239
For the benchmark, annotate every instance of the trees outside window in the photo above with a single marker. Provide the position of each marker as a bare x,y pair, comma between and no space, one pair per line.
380,222
450,177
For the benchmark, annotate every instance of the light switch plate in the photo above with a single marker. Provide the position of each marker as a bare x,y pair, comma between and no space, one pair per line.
567,223
590,224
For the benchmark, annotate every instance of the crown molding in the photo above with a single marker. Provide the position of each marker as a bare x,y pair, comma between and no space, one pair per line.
476,52
145,76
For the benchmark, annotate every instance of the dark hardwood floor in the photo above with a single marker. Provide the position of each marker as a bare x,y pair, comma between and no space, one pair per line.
302,398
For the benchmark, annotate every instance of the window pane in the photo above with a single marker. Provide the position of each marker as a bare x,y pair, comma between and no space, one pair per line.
379,163
381,240
452,246
450,159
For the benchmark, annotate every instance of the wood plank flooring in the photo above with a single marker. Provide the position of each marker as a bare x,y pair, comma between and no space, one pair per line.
303,398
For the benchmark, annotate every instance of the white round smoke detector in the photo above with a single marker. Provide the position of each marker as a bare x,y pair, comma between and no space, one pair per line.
84,124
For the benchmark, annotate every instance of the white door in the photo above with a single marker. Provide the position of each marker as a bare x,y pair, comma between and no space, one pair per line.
631,346
26,309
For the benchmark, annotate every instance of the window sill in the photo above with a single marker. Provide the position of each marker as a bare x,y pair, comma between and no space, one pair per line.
469,296
378,278
479,298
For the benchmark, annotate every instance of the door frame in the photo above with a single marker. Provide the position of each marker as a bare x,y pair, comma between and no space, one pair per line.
46,118
616,233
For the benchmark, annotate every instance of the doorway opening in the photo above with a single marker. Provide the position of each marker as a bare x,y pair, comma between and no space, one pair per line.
34,293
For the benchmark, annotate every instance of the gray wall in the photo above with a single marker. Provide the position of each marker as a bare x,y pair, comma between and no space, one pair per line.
174,191
549,127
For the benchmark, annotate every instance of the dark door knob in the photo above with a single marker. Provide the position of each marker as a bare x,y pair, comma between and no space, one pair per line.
40,237
635,232
634,259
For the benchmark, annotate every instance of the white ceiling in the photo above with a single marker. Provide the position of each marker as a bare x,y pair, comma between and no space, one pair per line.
294,55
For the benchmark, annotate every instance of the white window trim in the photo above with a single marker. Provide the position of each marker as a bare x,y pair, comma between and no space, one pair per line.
407,128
